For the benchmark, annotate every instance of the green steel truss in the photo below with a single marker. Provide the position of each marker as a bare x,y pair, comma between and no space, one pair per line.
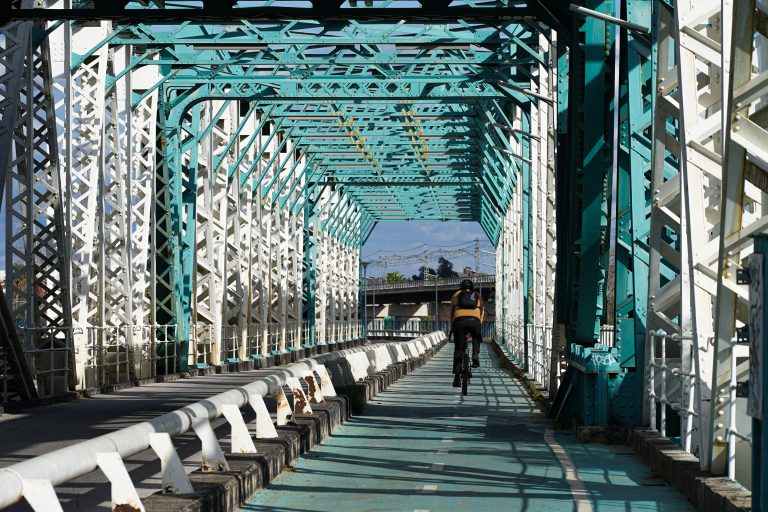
393,112
399,120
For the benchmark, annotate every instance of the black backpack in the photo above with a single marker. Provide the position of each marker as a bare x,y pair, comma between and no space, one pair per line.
468,300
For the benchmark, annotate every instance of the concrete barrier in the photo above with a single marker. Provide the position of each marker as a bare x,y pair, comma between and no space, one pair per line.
335,385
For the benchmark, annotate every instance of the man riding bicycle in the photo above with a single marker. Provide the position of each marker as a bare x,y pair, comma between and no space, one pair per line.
466,316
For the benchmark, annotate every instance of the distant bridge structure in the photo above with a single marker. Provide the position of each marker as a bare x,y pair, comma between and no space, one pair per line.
423,291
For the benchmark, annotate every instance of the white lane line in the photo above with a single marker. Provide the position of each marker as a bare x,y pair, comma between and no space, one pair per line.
437,466
428,489
578,491
443,451
447,440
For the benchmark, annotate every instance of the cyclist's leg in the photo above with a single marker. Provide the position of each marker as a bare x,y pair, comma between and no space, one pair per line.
477,336
458,344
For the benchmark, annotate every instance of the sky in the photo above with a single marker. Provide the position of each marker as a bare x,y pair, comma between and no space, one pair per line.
401,239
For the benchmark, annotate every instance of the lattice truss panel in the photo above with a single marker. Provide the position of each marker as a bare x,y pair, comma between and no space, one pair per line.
338,271
92,290
526,253
709,196
36,271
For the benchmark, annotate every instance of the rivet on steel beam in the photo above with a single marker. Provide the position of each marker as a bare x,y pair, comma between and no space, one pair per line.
174,478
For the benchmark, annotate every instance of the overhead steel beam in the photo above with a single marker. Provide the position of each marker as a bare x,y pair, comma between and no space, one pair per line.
210,12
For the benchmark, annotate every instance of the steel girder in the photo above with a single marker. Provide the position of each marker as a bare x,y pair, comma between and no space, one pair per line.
210,12
594,161
337,81
327,126
632,147
184,91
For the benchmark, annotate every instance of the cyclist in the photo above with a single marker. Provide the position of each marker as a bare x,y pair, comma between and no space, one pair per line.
466,315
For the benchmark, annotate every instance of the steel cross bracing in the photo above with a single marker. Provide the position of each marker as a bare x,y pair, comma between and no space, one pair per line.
190,160
705,214
195,188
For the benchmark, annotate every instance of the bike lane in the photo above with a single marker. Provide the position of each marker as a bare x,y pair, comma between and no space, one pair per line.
421,446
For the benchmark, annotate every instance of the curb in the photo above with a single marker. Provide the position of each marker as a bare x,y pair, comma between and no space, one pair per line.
539,394
681,470
678,469
229,490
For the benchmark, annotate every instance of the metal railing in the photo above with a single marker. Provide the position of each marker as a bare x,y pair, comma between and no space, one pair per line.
202,345
108,354
337,331
540,353
608,335
49,354
531,346
35,479
424,283
409,326
672,384
126,353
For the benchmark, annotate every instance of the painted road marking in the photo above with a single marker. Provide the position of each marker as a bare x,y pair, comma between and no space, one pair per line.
437,466
578,491
429,489
447,440
443,451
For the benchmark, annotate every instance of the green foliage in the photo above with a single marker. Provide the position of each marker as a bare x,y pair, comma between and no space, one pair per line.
445,268
395,277
424,271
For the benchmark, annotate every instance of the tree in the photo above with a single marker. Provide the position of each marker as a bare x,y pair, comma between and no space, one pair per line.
394,277
445,268
420,276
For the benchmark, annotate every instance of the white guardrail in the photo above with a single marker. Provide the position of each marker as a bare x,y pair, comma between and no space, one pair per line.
35,479
423,283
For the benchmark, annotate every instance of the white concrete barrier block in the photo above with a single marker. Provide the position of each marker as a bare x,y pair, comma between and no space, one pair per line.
383,359
358,365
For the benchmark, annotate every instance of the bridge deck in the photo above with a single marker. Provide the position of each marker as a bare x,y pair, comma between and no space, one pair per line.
422,446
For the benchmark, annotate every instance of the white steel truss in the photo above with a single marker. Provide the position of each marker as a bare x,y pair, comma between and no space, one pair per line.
35,245
83,264
708,118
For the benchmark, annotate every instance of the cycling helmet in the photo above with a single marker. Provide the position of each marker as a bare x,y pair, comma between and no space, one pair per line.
467,284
